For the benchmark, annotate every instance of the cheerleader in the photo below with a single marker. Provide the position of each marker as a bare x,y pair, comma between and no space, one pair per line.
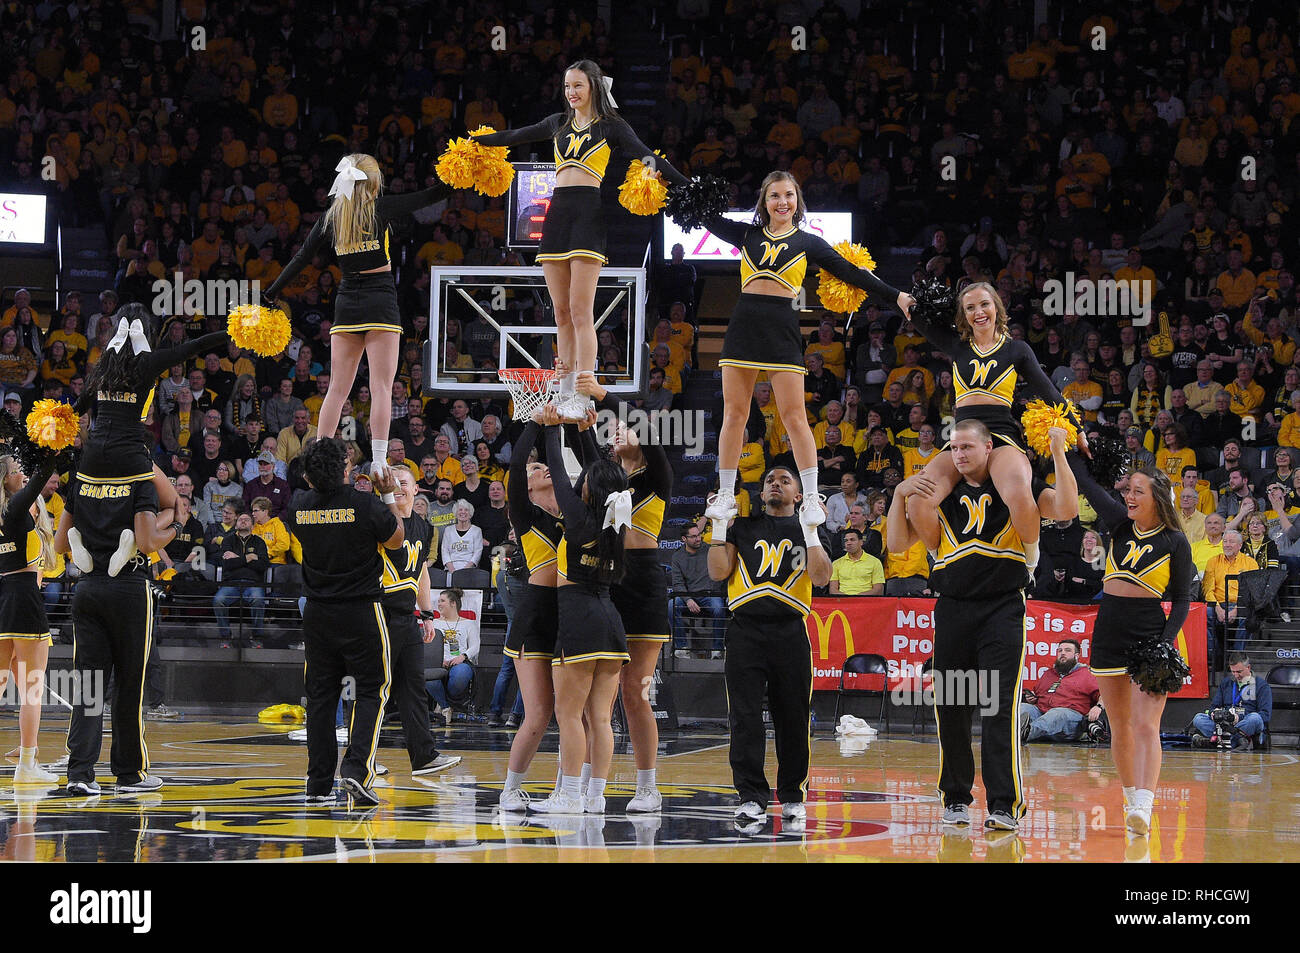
530,641
987,363
118,396
763,333
591,645
1149,560
642,596
367,320
25,544
572,249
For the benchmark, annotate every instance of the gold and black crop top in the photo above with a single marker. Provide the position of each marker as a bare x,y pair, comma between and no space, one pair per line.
373,251
586,147
785,257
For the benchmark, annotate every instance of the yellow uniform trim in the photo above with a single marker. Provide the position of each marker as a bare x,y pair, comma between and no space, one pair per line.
591,657
103,481
361,328
762,365
648,638
382,619
575,253
25,636
1109,672
148,402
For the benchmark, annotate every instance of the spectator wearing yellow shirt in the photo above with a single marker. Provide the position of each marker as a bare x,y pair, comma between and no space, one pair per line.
22,299
785,132
313,402
264,268
1135,271
439,250
1289,435
1190,518
283,209
916,459
856,573
683,331
906,573
661,357
454,360
206,249
272,531
73,340
678,356
233,151
1237,283
1207,500
437,105
1220,583
753,463
832,351
1083,390
445,464
1245,395
1174,456
1273,335
833,416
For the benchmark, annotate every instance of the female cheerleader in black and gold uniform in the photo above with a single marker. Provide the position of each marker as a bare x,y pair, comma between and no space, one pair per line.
534,514
642,596
366,317
986,365
572,249
26,543
591,645
763,333
118,397
1149,560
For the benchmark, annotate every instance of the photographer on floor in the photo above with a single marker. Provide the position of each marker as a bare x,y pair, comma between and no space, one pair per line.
1240,712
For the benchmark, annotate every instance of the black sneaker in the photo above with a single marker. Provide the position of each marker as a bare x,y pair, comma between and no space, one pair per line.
83,788
494,720
360,793
1201,741
512,720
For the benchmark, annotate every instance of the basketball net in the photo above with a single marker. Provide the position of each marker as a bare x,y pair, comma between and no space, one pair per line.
530,388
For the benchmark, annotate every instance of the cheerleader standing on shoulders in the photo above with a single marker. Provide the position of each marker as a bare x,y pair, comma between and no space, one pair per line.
1149,560
642,596
538,526
25,544
118,397
591,648
572,249
763,333
986,365
366,316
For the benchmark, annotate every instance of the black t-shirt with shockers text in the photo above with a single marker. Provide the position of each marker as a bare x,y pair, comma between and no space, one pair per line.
341,534
101,510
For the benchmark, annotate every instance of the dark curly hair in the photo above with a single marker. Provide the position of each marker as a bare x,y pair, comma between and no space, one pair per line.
324,464
603,477
115,370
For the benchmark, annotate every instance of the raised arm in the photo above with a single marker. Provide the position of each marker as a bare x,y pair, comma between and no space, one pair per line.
731,232
315,238
1027,367
1111,512
625,139
149,366
396,206
521,508
537,132
22,501
1060,502
824,256
575,512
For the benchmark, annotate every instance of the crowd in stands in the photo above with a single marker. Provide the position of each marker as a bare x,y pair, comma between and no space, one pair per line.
1025,154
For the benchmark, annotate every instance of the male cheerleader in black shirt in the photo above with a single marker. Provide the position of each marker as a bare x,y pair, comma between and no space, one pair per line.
979,618
112,624
771,564
406,584
345,631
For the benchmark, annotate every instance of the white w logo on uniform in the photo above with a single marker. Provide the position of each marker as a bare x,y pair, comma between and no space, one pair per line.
1135,553
772,556
975,512
412,556
980,370
576,143
772,253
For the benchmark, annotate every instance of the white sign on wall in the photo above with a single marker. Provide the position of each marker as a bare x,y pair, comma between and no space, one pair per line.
703,245
22,218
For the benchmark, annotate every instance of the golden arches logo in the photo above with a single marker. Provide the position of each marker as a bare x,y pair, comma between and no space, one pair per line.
1135,553
980,370
824,627
975,513
772,556
576,142
772,252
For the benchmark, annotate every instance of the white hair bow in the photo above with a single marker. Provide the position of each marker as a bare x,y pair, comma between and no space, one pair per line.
135,331
609,90
348,176
618,510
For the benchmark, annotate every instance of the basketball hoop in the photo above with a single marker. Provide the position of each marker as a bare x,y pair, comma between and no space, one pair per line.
530,388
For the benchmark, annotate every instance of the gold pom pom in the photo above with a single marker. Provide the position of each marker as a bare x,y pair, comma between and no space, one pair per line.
468,165
1040,417
840,296
264,331
643,191
52,424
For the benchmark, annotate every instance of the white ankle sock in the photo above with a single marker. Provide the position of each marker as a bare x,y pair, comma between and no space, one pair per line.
645,779
727,480
1128,794
379,451
596,788
809,480
514,780
568,384
559,778
27,757
571,786
1031,556
586,774
1144,798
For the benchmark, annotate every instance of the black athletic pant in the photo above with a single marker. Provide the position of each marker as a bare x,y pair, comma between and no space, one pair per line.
408,686
769,657
344,640
976,641
112,631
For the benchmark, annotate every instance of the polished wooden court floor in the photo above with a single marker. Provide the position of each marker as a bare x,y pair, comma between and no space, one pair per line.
234,792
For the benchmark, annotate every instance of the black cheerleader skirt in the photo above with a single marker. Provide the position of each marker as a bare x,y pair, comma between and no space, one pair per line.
22,608
763,334
574,226
1001,422
367,303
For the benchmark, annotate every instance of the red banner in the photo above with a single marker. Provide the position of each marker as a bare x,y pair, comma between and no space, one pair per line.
902,631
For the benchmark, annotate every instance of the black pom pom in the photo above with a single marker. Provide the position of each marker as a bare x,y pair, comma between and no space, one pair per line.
28,454
1109,459
1157,667
692,205
935,301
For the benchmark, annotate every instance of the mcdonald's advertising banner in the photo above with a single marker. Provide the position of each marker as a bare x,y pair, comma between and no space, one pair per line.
902,630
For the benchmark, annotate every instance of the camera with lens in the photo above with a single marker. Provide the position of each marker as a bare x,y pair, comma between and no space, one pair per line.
1225,721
